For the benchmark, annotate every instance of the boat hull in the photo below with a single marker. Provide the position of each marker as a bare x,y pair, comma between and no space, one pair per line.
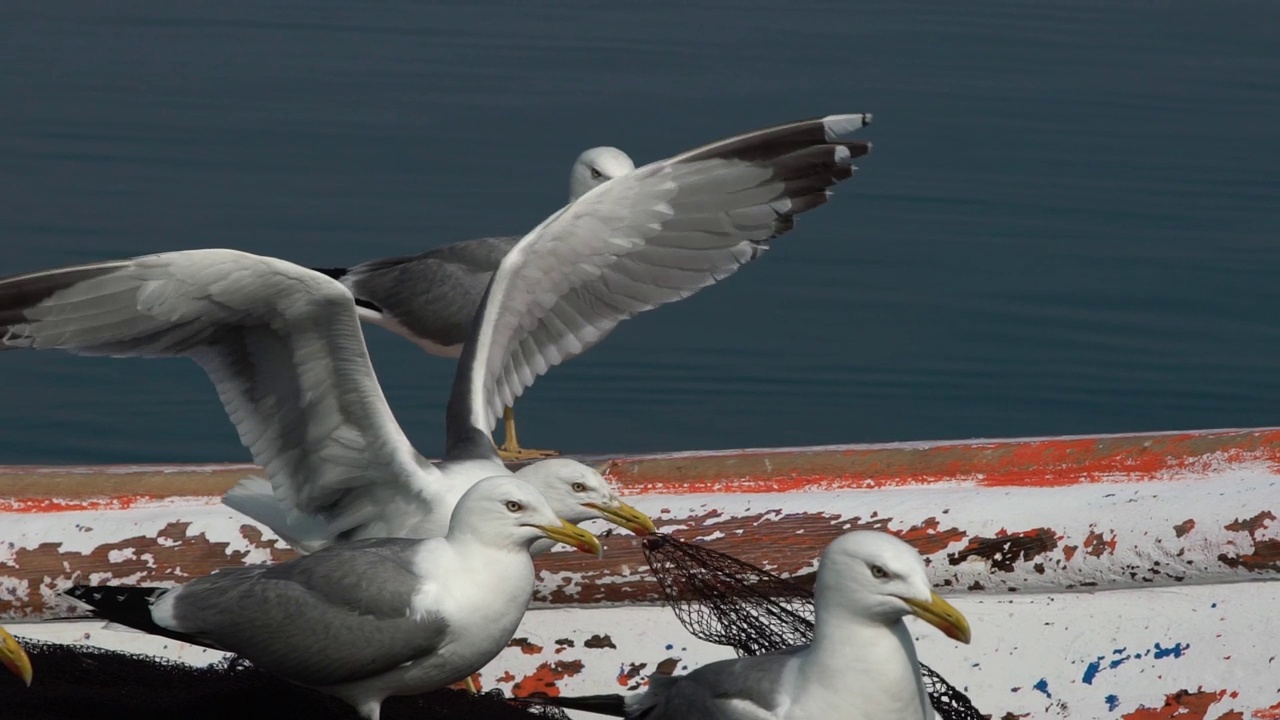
1124,576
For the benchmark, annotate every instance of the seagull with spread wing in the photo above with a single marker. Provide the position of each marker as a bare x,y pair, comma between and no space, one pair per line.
431,298
283,345
284,349
628,241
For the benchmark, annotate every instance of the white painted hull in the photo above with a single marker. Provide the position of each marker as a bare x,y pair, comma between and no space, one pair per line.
1127,577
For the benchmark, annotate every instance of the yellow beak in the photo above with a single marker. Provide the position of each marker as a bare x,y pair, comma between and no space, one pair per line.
14,657
942,615
623,515
573,536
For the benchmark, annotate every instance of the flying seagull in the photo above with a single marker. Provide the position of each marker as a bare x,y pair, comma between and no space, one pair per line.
685,222
367,619
284,349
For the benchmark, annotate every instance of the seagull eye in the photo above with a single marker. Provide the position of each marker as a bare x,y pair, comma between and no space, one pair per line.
596,174
514,506
579,487
879,572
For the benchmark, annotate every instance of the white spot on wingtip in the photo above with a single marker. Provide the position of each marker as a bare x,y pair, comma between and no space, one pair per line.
837,127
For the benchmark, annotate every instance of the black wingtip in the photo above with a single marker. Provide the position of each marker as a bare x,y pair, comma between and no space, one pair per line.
128,606
335,273
20,293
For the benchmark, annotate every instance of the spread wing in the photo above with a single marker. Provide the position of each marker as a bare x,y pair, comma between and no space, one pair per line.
282,345
650,237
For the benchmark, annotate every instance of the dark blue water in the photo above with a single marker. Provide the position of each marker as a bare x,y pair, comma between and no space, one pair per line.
1070,222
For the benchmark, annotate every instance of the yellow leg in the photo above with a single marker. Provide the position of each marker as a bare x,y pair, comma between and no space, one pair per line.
510,449
471,686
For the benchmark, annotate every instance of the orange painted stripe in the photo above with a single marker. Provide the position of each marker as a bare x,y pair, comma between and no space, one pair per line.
1036,463
1055,462
37,505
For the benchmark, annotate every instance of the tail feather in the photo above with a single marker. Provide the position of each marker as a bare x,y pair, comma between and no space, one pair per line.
128,606
611,705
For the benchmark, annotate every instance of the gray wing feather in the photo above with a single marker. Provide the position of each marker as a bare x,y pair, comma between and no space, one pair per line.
641,240
727,690
435,294
338,615
281,344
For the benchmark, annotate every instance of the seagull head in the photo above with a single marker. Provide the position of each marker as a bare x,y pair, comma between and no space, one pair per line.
597,166
503,511
879,578
14,657
578,493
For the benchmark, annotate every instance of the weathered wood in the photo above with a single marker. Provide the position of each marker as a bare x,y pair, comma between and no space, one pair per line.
991,516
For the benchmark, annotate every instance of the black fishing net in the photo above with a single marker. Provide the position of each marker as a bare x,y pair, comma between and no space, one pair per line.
76,682
723,600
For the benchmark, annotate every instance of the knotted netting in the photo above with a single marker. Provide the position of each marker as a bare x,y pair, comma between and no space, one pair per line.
723,600
79,682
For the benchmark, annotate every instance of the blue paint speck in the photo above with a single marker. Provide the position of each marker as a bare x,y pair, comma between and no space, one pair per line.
1113,702
1043,686
1100,663
1175,651
670,646
1091,671
1214,605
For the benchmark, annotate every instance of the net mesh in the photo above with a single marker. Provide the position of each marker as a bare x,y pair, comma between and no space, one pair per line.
74,682
723,600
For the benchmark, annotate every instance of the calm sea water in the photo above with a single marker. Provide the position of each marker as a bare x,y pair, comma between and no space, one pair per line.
1070,222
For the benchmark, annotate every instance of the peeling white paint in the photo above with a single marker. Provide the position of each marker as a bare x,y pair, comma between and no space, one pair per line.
116,556
1135,646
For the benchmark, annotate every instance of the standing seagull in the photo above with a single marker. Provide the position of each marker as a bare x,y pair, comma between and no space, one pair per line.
861,665
431,299
283,346
371,618
637,240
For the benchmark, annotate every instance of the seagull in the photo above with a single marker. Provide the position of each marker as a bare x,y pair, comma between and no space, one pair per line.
368,619
861,665
13,657
431,299
752,191
283,347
